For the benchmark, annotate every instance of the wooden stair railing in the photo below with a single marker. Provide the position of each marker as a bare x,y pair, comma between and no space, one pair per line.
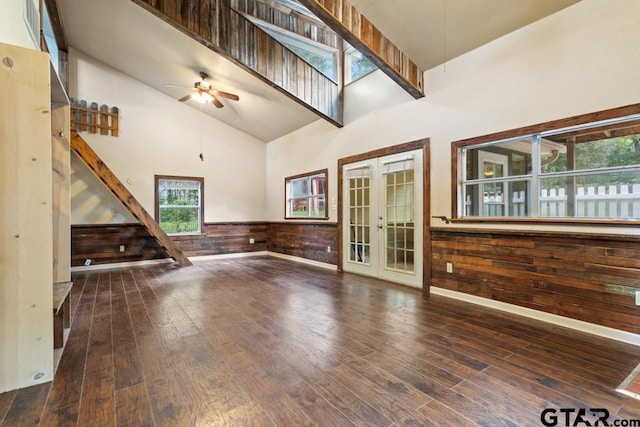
100,169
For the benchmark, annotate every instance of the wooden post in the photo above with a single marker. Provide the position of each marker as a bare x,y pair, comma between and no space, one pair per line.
104,120
114,121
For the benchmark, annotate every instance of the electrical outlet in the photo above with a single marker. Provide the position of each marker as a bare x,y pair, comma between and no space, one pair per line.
449,267
87,262
328,248
121,248
252,241
637,297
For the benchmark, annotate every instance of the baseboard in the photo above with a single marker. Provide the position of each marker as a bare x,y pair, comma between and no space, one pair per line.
223,256
120,265
579,325
303,260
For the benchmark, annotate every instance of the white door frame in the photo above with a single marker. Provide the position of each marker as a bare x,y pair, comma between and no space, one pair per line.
424,236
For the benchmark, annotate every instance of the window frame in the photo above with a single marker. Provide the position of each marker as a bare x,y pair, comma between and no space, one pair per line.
157,179
287,198
535,131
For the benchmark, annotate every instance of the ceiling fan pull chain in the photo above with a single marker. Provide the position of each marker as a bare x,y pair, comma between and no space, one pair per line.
201,155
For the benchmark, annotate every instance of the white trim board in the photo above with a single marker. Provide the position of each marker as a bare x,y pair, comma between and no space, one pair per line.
579,325
120,265
224,256
303,260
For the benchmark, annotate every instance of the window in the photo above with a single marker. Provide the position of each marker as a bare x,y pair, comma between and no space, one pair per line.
585,167
306,195
356,64
179,204
321,57
50,38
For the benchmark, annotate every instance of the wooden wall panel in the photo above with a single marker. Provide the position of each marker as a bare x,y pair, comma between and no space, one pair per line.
26,240
586,277
304,240
225,238
223,27
101,244
289,20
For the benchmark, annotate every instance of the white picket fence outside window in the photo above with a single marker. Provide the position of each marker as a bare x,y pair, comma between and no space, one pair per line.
620,202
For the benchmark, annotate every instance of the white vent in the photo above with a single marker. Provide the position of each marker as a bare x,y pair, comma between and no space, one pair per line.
32,20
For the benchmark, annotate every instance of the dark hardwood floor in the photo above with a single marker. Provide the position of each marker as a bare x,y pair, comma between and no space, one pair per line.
263,341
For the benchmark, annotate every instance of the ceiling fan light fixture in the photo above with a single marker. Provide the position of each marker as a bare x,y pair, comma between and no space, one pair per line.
202,97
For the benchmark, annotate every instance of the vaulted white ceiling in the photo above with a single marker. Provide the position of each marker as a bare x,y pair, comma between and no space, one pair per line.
133,41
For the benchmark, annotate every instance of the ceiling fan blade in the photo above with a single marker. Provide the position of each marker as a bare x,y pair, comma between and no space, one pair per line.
227,95
184,98
170,85
217,102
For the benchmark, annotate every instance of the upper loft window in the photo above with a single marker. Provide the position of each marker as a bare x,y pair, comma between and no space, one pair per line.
50,43
561,170
306,196
356,64
292,4
179,204
322,57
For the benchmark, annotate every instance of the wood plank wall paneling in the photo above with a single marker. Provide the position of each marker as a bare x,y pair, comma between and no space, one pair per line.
238,39
586,277
225,238
304,240
101,244
289,20
265,55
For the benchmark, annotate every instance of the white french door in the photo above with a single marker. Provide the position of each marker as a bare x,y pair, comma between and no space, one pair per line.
382,217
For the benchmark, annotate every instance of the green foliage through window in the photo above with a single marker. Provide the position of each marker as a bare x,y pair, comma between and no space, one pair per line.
179,204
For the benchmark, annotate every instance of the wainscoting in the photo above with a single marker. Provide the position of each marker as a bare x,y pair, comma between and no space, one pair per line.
101,243
588,277
304,240
225,238
592,278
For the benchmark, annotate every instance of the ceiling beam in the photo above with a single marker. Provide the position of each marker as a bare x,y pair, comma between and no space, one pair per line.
358,31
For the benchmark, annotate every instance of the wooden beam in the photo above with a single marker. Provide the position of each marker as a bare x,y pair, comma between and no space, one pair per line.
86,153
356,29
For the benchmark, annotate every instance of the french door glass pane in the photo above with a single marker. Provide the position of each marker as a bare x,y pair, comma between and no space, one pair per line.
400,227
359,223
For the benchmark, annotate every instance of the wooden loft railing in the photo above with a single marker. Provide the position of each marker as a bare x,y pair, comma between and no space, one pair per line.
100,169
221,26
263,54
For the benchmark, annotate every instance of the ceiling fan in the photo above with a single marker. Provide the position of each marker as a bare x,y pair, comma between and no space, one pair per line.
204,93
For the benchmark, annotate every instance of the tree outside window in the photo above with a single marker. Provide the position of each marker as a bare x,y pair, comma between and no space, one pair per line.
179,204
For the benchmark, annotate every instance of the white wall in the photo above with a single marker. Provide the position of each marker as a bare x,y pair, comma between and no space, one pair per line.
580,60
13,29
159,135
